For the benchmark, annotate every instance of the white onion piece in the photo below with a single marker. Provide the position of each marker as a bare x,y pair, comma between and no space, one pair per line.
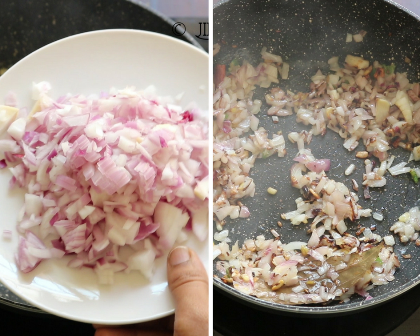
143,261
389,240
399,169
314,240
378,216
221,236
390,161
39,89
350,169
171,220
341,227
17,129
216,253
33,205
200,223
7,115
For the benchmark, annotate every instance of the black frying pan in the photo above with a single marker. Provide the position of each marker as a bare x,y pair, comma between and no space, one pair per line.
306,34
27,25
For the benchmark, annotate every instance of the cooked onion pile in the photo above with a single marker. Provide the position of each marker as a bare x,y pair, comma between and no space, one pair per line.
297,274
327,201
234,154
369,104
408,226
112,181
366,104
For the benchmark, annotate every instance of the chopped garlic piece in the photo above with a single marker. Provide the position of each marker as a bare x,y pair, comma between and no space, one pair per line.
272,191
404,217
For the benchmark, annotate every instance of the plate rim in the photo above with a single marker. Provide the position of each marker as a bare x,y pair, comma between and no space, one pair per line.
167,19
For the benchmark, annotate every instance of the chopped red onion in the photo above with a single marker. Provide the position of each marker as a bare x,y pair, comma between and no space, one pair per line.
227,126
244,213
107,172
318,166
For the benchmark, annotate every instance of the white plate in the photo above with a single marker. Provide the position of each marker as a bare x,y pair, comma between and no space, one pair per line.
90,63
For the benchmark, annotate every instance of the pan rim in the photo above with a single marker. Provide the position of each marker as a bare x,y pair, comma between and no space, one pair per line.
168,20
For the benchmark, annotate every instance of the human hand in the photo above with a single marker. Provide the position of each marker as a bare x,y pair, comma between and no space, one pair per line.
189,286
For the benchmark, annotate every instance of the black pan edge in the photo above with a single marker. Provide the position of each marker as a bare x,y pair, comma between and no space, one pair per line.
187,35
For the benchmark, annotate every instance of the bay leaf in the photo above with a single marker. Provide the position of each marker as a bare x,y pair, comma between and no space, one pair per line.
358,265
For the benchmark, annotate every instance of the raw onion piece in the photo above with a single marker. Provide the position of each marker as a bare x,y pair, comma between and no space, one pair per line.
127,169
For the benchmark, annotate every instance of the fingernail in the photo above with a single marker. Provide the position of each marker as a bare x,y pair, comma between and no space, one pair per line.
179,255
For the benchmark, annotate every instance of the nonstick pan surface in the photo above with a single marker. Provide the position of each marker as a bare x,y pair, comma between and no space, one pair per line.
306,34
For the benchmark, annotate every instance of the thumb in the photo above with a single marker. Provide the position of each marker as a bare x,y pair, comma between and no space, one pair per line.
189,284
